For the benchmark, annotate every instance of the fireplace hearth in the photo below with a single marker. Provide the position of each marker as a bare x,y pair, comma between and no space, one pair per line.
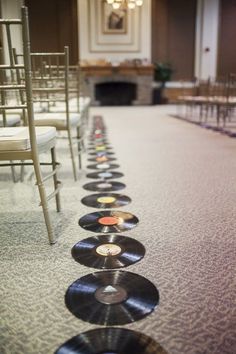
115,93
119,85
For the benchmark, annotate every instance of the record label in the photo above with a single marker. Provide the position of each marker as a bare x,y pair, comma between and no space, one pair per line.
101,159
108,249
104,185
103,166
105,174
109,220
111,294
106,200
111,297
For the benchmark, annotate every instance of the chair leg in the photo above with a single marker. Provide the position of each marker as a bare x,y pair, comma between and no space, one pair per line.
79,147
72,155
44,202
13,173
55,180
22,171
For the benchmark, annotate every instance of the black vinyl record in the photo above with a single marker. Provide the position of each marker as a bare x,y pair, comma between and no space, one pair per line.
101,153
103,166
111,297
102,158
105,175
101,147
106,200
111,340
104,186
107,221
108,251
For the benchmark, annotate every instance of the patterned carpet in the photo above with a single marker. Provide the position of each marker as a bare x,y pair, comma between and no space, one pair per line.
182,181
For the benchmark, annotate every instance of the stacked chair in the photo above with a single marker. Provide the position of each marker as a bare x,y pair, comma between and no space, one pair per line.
25,143
51,89
213,104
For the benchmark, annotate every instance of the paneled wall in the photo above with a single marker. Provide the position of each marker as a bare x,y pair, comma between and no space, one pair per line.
53,24
173,35
227,38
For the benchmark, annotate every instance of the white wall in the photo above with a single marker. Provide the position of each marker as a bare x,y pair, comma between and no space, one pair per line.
144,36
206,48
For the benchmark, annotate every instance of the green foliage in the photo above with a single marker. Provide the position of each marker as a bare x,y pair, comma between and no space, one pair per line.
162,71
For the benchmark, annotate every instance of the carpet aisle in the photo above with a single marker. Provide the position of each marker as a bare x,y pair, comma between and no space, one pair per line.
182,181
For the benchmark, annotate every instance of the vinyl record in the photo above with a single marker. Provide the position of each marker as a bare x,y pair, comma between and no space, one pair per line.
108,251
111,297
104,186
105,175
102,147
100,153
111,340
102,166
106,200
102,158
107,221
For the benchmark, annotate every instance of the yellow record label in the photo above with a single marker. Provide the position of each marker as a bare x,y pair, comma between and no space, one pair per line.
106,200
108,249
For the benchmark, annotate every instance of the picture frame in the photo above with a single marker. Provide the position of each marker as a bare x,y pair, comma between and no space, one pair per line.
113,21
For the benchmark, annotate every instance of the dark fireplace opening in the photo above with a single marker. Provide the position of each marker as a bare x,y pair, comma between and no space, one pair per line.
115,93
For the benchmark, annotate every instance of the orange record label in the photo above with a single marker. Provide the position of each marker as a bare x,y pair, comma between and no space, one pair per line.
108,220
108,249
101,159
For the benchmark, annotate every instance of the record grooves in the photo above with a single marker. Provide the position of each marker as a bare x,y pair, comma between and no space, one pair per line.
106,200
104,186
106,221
111,340
103,166
111,297
105,175
108,251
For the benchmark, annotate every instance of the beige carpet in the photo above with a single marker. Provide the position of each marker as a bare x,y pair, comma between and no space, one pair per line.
182,181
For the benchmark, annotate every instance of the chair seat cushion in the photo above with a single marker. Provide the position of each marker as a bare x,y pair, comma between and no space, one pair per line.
11,120
57,120
17,138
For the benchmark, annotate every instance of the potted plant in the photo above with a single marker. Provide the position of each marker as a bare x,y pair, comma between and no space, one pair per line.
162,74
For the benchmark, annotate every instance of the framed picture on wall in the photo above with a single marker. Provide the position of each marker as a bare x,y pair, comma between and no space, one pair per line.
112,30
113,21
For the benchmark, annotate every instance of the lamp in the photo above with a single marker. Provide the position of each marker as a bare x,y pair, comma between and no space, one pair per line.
121,4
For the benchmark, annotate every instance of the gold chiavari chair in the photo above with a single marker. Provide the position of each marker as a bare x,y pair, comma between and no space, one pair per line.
25,143
51,88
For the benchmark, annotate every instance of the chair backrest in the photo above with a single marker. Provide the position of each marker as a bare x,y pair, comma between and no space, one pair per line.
16,82
50,75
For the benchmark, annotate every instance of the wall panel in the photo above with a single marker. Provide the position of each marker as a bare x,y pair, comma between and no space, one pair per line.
227,38
173,35
53,24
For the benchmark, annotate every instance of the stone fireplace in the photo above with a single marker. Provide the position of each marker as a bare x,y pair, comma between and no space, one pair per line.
139,76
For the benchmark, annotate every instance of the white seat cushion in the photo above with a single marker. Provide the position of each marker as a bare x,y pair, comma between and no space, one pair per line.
57,120
11,120
17,138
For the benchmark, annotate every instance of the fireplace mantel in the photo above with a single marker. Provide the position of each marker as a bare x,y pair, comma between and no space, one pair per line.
141,75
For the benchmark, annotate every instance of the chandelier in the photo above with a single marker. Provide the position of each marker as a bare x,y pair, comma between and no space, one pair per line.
121,4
